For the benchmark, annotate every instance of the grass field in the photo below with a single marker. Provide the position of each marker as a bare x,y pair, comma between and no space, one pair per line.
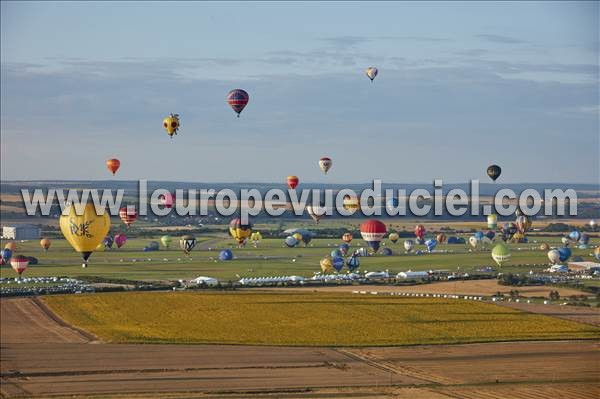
321,319
270,258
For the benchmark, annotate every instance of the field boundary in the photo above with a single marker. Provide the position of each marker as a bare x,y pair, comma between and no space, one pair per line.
91,338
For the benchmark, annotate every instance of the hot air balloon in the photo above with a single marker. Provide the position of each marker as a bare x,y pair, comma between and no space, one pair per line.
292,182
45,243
239,231
597,253
387,252
394,237
554,256
592,224
544,247
492,221
353,263
523,224
171,124
108,241
431,244
420,231
166,241
19,264
371,72
479,235
344,248
291,242
565,241
5,255
11,245
337,262
255,237
167,200
373,231
486,241
501,254
84,229
316,212
494,171
347,238
351,203
490,234
508,231
336,252
441,238
113,165
325,164
226,254
474,241
565,253
409,245
128,215
574,236
326,264
120,240
584,240
297,236
187,243
238,99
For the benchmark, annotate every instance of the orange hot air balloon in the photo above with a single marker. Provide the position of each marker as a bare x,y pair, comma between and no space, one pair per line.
128,215
292,182
113,165
347,238
45,243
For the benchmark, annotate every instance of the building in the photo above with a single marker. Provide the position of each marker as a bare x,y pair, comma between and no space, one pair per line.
22,232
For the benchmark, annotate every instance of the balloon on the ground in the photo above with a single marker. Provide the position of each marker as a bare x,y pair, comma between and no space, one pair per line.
575,235
565,241
492,221
371,72
347,237
554,256
297,236
494,171
490,234
291,241
373,231
325,163
187,243
128,215
353,262
255,237
226,254
565,253
292,182
171,124
387,252
409,245
108,241
326,265
337,262
344,248
394,237
431,244
584,239
120,240
11,245
83,228
473,241
113,165
237,100
336,252
420,231
19,264
479,235
5,255
501,254
166,240
544,247
45,243
597,253
441,238
523,223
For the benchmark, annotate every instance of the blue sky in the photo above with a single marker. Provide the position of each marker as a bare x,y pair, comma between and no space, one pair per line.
461,85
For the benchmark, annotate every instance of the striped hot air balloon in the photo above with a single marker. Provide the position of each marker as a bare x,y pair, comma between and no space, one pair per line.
128,215
19,264
238,99
292,182
187,243
373,231
347,238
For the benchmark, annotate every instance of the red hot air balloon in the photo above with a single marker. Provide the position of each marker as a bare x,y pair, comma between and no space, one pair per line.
167,200
373,231
237,99
292,182
19,264
420,231
113,165
120,240
128,215
347,238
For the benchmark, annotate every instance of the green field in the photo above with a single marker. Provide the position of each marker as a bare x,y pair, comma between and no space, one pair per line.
319,319
269,259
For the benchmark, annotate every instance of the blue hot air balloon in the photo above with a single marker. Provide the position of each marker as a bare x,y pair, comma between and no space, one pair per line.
353,263
387,252
479,235
344,248
431,244
490,234
575,235
391,205
585,239
226,254
336,252
337,262
5,255
565,253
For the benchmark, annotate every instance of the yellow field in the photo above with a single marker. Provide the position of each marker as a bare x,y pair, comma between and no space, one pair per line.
321,319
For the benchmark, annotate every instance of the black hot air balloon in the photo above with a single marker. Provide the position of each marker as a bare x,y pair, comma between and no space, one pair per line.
493,171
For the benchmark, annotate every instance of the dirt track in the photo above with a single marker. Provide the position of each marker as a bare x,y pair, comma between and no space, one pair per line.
42,356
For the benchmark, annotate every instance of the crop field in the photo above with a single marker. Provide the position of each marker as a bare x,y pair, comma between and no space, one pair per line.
307,319
270,258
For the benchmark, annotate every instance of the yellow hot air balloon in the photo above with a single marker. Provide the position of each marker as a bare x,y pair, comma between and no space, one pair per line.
239,231
171,124
394,237
45,243
84,229
327,265
297,236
